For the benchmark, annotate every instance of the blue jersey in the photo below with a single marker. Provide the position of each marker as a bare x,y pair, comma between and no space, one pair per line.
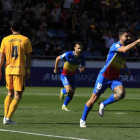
71,63
114,62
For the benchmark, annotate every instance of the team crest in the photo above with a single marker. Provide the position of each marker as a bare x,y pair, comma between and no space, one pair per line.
63,55
117,45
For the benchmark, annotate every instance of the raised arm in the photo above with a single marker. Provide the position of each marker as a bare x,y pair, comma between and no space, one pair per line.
128,47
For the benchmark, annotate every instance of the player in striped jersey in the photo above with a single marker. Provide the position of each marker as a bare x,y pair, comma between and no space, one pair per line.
72,60
109,75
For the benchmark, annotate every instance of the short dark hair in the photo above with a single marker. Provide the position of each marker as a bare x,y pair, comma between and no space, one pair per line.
15,24
78,43
122,31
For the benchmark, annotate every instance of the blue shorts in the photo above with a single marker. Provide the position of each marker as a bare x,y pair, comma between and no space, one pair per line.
68,80
103,83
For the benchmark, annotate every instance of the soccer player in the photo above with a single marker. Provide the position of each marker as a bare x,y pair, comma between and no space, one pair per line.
109,75
14,47
72,60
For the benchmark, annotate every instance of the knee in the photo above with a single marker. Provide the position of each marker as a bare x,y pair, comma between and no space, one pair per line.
10,94
70,91
18,97
120,95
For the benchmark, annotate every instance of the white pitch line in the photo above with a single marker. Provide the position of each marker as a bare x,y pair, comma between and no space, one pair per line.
49,94
120,113
36,134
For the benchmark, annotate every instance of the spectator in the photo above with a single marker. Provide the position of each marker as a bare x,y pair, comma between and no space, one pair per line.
74,21
38,11
108,42
73,36
7,8
57,3
65,16
5,25
17,9
112,11
84,38
27,14
28,4
50,48
68,4
56,14
25,28
35,44
59,48
43,34
85,21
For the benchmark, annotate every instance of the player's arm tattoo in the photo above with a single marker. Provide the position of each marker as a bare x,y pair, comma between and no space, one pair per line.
119,92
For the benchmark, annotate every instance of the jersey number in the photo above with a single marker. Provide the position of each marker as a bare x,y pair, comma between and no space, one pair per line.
99,86
14,52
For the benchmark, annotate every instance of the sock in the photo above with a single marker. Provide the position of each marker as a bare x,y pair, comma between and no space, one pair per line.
67,100
85,112
12,108
109,100
7,103
64,91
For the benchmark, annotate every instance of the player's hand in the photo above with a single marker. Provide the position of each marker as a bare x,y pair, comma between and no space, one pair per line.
27,75
81,70
56,70
0,75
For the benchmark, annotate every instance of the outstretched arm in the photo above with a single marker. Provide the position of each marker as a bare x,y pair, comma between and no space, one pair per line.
128,47
56,64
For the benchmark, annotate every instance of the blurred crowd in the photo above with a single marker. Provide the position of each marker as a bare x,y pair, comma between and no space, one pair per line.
54,25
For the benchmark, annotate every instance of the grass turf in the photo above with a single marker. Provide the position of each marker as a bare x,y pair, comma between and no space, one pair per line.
39,112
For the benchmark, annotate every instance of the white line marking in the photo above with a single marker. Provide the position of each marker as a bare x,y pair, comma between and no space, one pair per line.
72,138
120,113
49,94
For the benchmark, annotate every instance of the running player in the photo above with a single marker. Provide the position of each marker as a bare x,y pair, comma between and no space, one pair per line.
72,60
109,75
14,47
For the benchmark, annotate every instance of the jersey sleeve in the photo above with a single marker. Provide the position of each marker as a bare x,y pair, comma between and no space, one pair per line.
115,47
28,46
64,55
2,48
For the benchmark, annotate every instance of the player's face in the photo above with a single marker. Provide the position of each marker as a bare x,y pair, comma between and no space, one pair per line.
125,38
78,49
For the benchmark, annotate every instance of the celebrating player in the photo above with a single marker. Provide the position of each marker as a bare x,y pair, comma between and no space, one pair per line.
109,75
14,47
72,60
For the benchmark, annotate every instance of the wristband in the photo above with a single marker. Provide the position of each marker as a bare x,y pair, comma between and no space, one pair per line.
28,70
126,69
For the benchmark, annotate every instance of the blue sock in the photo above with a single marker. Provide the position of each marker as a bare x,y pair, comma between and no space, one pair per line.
67,100
109,100
64,91
85,112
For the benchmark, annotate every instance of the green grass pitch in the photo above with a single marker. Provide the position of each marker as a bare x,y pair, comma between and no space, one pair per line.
39,116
